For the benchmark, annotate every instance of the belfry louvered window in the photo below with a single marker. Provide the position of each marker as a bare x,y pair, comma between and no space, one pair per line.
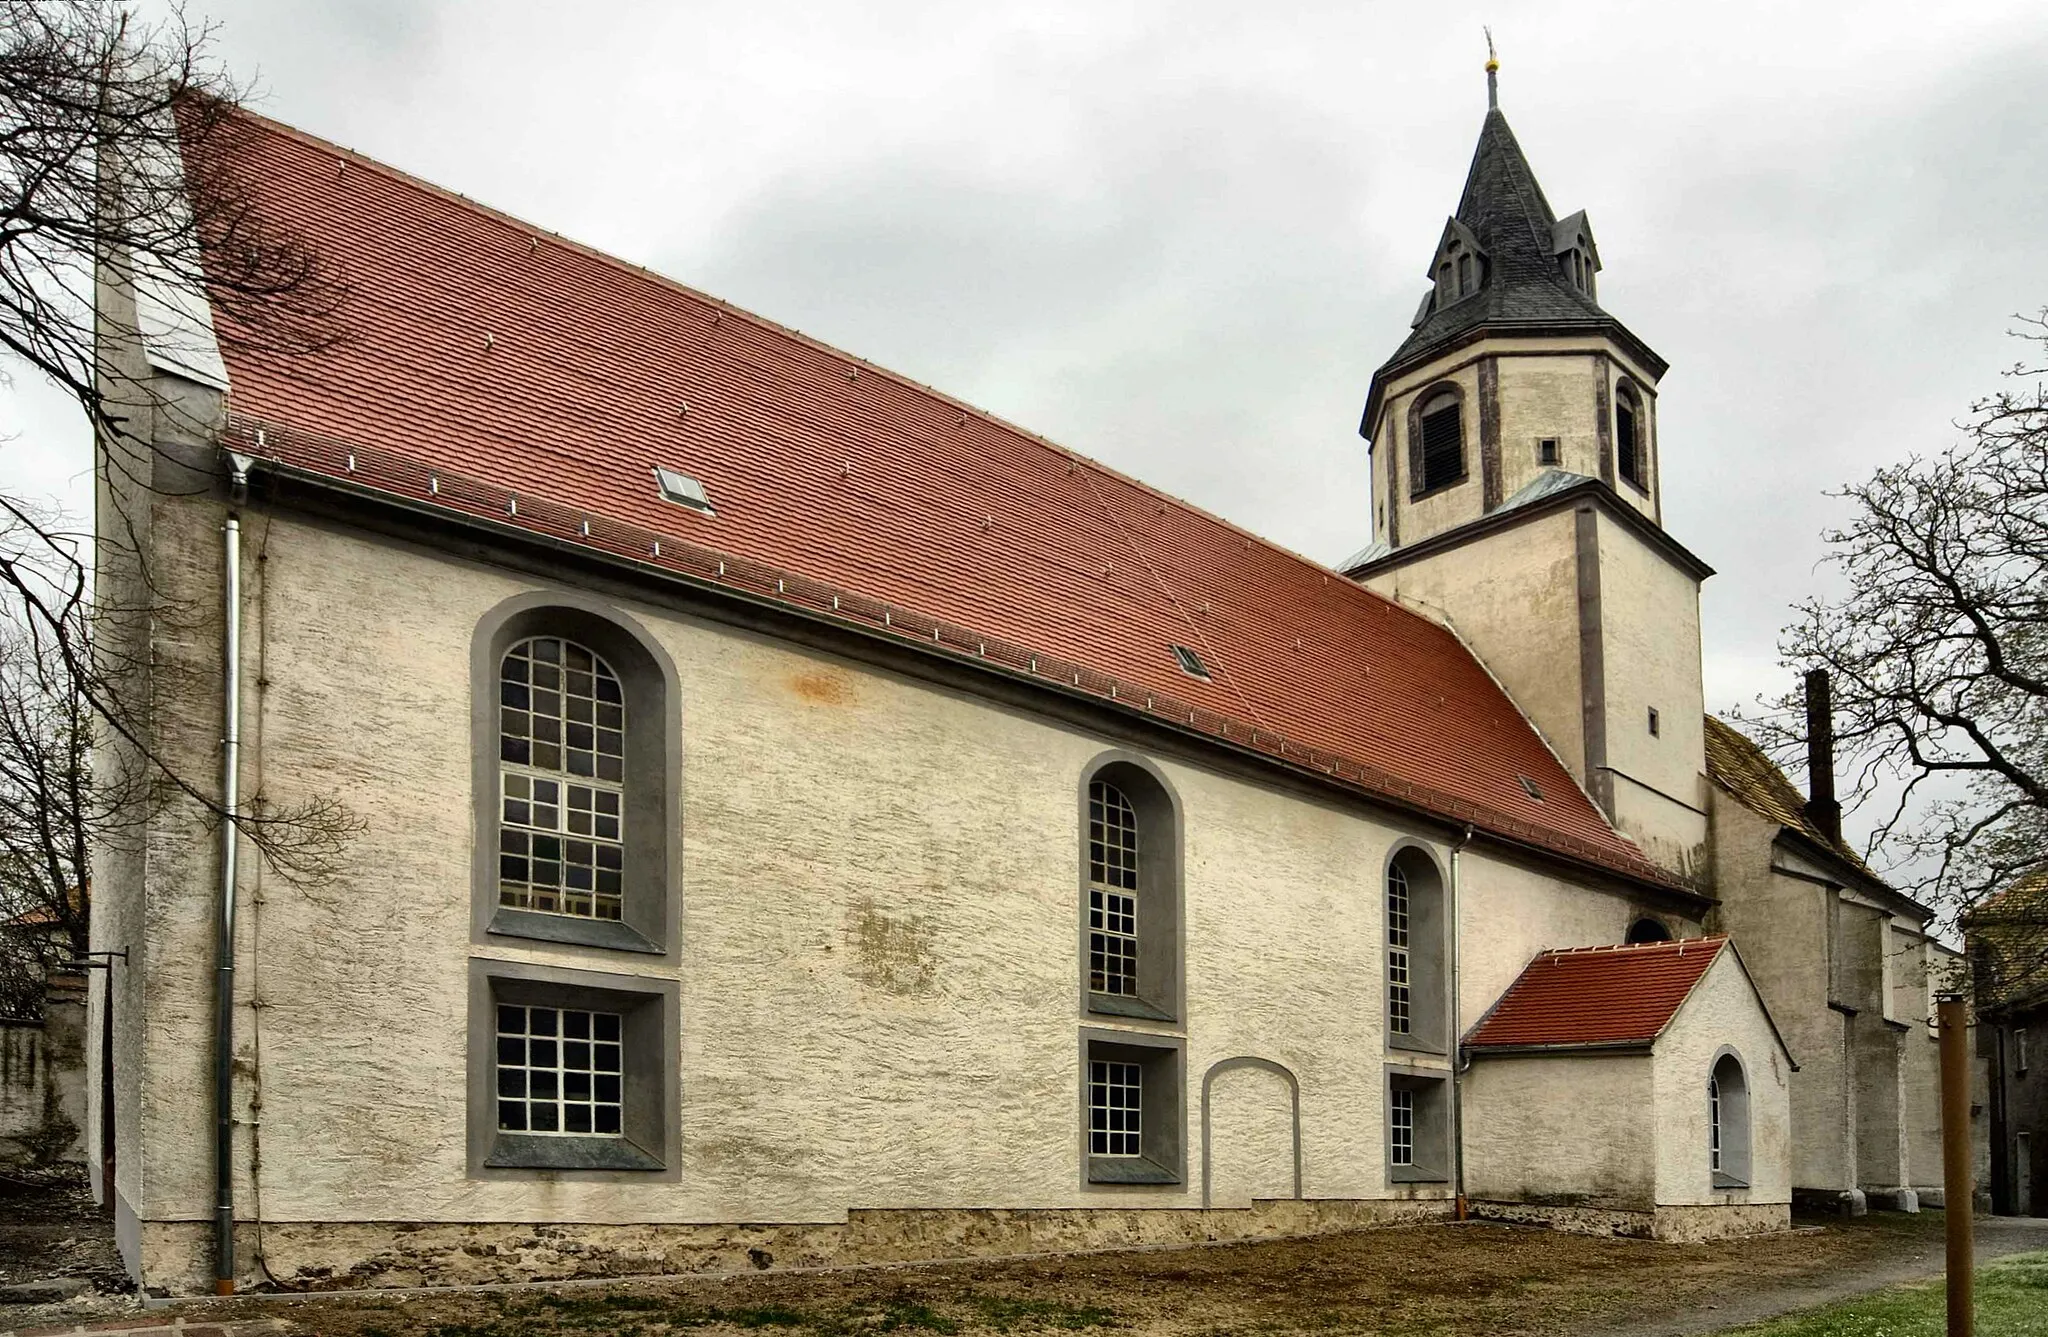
1112,891
1440,456
561,770
1628,442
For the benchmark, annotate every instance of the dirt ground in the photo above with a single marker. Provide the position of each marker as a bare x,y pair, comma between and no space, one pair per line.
49,1227
1426,1279
1449,1279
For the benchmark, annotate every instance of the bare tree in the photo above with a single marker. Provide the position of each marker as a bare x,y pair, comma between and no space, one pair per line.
121,160
53,804
1938,649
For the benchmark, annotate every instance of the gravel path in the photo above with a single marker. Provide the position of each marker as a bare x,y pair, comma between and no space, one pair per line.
1915,1260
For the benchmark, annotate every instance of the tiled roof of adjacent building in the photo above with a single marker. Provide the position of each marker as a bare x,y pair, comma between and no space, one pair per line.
501,372
1742,768
1590,996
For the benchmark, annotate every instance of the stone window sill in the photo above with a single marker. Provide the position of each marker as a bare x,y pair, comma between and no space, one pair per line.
525,1151
1416,1174
1414,1044
1728,1181
1128,1170
572,930
1116,1005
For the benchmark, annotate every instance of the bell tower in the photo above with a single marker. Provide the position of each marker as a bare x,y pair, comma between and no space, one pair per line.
1517,496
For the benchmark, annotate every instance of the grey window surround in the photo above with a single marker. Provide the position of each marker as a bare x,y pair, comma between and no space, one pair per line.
1432,1135
650,1147
653,804
1162,1159
1428,944
1161,979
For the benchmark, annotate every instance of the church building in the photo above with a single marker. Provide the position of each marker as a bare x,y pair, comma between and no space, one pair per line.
794,817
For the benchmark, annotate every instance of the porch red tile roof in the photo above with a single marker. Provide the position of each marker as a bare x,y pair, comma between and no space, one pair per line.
490,361
1597,995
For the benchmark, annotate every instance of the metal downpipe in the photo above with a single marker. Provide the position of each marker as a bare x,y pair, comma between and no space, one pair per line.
224,943
1458,1059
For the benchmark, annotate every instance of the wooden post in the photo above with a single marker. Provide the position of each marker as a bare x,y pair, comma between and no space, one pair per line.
1954,1020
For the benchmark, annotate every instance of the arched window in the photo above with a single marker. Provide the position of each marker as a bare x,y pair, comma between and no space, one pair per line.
576,778
1112,891
1131,893
562,781
1415,951
1630,447
1438,436
1467,285
1647,929
1728,1122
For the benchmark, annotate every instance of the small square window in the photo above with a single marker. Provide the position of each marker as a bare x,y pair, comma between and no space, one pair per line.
1656,723
570,1071
1546,451
682,489
1531,788
1131,1109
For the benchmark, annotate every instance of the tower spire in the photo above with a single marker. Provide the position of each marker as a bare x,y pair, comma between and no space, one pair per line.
1492,73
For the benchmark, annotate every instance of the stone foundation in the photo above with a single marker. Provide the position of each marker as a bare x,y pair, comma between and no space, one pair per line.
348,1255
1830,1201
1671,1225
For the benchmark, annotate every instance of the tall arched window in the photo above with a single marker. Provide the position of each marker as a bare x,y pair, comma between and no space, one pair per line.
1112,891
1630,446
1130,887
1728,1122
1438,434
1400,995
1415,951
561,759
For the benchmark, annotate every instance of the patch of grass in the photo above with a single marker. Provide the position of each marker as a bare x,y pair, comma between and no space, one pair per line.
2010,1302
1003,1313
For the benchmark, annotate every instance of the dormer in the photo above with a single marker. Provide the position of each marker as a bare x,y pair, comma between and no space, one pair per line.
1578,259
1458,272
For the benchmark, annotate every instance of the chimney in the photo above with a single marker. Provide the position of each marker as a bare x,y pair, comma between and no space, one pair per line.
1821,808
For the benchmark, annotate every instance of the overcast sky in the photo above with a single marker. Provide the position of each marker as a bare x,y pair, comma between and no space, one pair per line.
1179,237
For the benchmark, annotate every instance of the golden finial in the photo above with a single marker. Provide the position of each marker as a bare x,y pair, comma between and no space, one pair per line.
1492,72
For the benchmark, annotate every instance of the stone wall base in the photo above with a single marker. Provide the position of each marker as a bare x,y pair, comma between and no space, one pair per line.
349,1255
1674,1225
1830,1201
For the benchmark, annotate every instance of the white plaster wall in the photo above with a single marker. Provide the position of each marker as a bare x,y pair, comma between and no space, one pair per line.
1723,1009
1567,1128
1547,397
817,794
1251,1137
1650,633
820,798
1514,599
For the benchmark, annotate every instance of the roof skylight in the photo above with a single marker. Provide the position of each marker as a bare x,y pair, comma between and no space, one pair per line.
1191,663
682,489
1531,788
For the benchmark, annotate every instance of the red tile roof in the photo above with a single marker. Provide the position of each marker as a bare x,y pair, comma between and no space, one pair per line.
1597,995
489,360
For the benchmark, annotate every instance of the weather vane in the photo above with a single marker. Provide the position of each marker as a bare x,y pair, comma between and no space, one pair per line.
1492,71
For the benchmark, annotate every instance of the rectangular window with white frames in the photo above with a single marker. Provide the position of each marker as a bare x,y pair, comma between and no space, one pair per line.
1401,1126
560,1071
1115,1109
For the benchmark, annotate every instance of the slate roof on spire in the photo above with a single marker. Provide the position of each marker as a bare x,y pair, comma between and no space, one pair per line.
1505,210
